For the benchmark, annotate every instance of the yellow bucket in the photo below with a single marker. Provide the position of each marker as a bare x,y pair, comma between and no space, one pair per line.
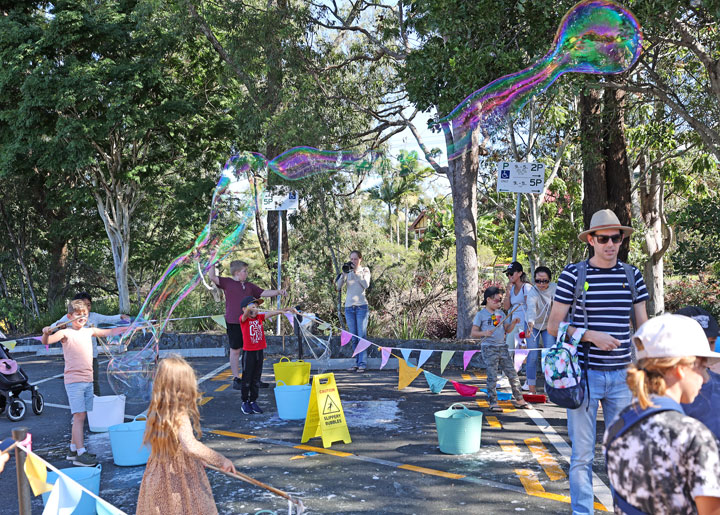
292,372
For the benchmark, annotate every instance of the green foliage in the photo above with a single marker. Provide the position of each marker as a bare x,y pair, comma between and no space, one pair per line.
697,226
689,292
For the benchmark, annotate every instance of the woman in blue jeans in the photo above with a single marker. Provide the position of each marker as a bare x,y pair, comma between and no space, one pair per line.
357,278
539,302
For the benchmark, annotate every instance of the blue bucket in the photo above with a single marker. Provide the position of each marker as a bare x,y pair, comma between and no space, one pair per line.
459,429
126,441
292,400
89,477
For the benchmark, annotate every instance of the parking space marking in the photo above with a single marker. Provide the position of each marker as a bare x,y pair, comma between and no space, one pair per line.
222,387
529,480
510,447
205,400
466,377
536,489
507,406
213,373
483,403
482,377
493,422
547,462
222,375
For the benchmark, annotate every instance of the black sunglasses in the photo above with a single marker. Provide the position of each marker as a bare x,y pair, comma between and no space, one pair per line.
542,281
603,239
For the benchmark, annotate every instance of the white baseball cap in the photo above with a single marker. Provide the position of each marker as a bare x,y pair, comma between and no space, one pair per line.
673,336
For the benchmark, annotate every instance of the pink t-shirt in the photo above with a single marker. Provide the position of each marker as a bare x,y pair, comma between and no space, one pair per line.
235,292
78,354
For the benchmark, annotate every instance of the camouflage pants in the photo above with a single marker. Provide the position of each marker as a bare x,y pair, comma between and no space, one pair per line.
498,357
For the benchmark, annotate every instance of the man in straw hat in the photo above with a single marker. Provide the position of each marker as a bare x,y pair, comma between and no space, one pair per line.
604,292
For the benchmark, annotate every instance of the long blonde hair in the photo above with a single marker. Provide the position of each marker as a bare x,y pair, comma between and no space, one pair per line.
175,393
648,377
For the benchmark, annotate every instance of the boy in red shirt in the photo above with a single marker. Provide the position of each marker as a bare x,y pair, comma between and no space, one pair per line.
253,334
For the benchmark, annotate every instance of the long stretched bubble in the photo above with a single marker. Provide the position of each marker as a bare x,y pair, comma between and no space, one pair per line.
595,36
234,203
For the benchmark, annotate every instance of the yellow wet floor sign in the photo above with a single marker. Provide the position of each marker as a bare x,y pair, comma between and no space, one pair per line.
325,416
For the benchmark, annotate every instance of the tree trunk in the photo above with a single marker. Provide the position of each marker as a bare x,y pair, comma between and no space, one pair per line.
463,173
594,184
58,270
617,168
18,243
406,225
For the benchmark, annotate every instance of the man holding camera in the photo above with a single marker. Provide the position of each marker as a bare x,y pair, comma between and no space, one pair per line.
357,278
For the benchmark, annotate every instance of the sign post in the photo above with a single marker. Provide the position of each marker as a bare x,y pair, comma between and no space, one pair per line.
284,201
520,178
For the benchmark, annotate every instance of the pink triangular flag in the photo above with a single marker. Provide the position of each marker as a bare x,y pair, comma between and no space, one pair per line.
424,355
290,318
361,346
520,355
464,389
345,338
467,356
385,353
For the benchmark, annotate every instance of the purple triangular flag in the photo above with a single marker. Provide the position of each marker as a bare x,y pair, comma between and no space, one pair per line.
424,355
467,356
385,353
345,338
361,346
520,355
290,317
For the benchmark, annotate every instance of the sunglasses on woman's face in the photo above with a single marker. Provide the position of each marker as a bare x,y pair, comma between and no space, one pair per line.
542,281
602,239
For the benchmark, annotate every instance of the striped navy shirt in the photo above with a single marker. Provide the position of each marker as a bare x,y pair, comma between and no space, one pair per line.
609,302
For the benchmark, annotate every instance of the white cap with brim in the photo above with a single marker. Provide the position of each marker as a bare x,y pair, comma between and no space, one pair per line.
673,336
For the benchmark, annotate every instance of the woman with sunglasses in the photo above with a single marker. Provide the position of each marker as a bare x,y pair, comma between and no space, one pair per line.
518,288
539,302
660,460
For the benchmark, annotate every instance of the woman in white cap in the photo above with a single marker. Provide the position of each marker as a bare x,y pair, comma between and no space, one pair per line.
658,459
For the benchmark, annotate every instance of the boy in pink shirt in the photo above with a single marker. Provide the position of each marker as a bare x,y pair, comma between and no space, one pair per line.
78,354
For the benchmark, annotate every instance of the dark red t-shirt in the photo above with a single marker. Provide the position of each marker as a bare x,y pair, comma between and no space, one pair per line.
253,333
235,292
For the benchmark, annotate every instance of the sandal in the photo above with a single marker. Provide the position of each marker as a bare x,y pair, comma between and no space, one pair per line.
521,405
496,408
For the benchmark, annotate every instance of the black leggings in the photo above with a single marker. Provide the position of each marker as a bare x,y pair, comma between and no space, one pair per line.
252,369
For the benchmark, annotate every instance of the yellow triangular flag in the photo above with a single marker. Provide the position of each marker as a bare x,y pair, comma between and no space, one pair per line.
36,473
10,345
219,320
406,374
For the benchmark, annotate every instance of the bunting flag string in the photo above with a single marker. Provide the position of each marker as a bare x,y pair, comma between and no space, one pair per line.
65,494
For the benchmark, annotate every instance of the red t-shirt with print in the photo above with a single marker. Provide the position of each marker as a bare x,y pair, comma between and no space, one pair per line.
253,333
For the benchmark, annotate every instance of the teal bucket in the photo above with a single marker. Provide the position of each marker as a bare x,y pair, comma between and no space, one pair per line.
292,400
459,429
126,441
89,477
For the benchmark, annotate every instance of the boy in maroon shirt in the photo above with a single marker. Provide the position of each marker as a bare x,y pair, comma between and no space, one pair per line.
251,324
236,289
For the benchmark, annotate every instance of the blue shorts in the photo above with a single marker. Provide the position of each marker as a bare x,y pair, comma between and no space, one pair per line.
80,397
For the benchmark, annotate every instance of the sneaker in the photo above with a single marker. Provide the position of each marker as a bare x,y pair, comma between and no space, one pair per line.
85,460
71,455
352,369
247,408
237,383
360,370
255,408
525,387
503,382
263,384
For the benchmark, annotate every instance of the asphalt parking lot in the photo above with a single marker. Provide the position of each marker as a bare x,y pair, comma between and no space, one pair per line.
392,465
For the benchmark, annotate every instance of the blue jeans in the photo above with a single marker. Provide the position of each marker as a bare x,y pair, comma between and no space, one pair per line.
357,322
609,388
534,342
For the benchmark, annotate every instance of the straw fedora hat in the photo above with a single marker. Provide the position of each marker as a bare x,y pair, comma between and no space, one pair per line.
604,219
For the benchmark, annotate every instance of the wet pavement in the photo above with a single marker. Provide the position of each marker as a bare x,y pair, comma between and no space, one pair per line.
393,464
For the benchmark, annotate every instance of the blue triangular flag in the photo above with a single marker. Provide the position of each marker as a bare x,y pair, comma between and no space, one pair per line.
424,355
406,354
435,383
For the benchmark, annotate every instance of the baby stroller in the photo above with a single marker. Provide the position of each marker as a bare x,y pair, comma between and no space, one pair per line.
14,381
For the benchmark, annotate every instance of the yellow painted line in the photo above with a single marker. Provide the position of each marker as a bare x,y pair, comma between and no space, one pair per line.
483,403
431,472
532,486
466,377
222,375
222,387
482,377
493,422
234,435
323,451
547,462
205,400
510,447
507,406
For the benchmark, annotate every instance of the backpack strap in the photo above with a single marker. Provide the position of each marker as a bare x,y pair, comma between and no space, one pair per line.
627,420
630,277
580,292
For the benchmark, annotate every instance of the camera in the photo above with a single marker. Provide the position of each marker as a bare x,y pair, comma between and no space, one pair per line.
347,267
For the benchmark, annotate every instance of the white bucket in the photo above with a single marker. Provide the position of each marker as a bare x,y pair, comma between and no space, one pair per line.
107,411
